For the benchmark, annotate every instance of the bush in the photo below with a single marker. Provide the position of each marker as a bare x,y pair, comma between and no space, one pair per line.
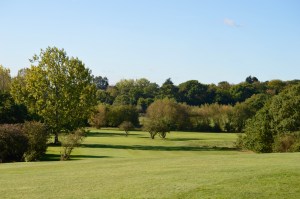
70,141
126,126
13,143
38,136
287,143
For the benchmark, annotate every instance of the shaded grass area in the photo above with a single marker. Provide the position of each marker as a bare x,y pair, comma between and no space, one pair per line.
160,148
56,157
185,165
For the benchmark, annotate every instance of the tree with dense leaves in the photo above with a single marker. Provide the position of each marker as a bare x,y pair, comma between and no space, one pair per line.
277,120
104,97
165,115
98,117
193,92
119,113
251,79
100,82
5,79
10,112
240,92
58,88
246,110
130,91
222,94
275,86
168,90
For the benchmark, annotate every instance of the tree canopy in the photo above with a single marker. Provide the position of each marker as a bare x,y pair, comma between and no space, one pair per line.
272,124
58,88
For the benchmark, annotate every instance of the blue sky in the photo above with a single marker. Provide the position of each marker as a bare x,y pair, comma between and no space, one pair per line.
206,40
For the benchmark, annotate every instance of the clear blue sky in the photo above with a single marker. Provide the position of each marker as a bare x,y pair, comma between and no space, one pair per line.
206,40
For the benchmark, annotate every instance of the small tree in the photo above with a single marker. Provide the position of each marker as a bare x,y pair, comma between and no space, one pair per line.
70,141
99,116
165,115
126,126
159,126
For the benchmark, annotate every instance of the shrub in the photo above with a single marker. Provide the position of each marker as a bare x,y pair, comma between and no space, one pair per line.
70,141
13,143
126,126
287,143
38,136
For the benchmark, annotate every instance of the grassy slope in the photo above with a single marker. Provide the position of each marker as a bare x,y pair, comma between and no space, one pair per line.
186,165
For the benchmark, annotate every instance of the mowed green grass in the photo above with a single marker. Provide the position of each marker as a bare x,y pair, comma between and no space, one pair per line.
185,165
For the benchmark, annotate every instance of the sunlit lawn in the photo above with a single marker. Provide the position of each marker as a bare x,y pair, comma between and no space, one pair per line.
185,165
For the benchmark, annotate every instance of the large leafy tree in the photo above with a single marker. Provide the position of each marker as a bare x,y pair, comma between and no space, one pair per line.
277,119
58,88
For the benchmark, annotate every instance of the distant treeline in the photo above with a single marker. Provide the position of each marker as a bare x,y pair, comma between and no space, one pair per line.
142,92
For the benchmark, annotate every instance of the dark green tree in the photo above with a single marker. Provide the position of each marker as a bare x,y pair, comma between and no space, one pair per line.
10,112
278,119
168,90
251,79
119,113
246,110
193,93
100,82
240,92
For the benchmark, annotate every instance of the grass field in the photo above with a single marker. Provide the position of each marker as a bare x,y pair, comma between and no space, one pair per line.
185,165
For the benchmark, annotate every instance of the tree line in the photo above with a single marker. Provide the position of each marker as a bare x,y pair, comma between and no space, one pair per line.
61,93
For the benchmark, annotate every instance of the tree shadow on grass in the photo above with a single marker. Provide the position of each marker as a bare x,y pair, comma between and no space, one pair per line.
103,134
56,157
160,148
183,139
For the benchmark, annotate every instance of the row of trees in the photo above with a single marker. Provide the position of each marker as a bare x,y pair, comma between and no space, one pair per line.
165,115
142,92
60,92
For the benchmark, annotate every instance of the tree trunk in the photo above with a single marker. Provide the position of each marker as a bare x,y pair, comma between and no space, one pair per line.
56,141
152,135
